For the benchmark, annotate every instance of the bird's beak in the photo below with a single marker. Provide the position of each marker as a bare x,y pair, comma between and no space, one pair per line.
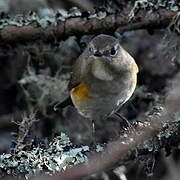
98,54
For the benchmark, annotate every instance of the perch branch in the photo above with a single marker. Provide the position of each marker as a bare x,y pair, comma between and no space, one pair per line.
114,153
116,150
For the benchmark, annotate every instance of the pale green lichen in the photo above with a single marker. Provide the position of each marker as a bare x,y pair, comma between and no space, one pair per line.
159,120
59,155
152,5
169,129
99,15
45,21
24,126
52,17
174,26
99,148
149,144
139,4
20,20
27,160
43,89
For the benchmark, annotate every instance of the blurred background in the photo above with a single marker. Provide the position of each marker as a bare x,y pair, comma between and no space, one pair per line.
34,77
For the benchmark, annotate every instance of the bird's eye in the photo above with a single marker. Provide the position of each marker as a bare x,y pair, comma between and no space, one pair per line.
113,52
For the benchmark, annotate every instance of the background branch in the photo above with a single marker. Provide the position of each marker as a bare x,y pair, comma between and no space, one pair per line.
85,25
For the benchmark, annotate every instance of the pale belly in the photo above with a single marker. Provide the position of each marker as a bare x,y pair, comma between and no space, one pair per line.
94,106
99,108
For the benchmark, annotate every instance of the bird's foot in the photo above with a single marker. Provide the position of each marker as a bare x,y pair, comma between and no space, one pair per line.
131,129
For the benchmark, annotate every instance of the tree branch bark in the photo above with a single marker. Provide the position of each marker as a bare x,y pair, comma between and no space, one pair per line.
117,151
84,25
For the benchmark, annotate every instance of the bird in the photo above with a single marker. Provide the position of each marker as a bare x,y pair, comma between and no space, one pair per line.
103,78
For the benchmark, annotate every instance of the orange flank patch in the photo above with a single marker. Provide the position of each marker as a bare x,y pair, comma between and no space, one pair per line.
134,71
134,68
80,92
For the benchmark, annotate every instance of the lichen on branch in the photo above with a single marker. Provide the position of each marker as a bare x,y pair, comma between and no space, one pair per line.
31,27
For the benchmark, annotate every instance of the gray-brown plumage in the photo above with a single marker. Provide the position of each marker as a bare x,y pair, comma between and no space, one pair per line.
104,77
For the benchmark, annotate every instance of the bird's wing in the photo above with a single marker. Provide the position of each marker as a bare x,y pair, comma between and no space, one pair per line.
75,80
77,72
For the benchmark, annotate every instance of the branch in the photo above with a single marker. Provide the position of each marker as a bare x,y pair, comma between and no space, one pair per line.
116,150
158,20
84,25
